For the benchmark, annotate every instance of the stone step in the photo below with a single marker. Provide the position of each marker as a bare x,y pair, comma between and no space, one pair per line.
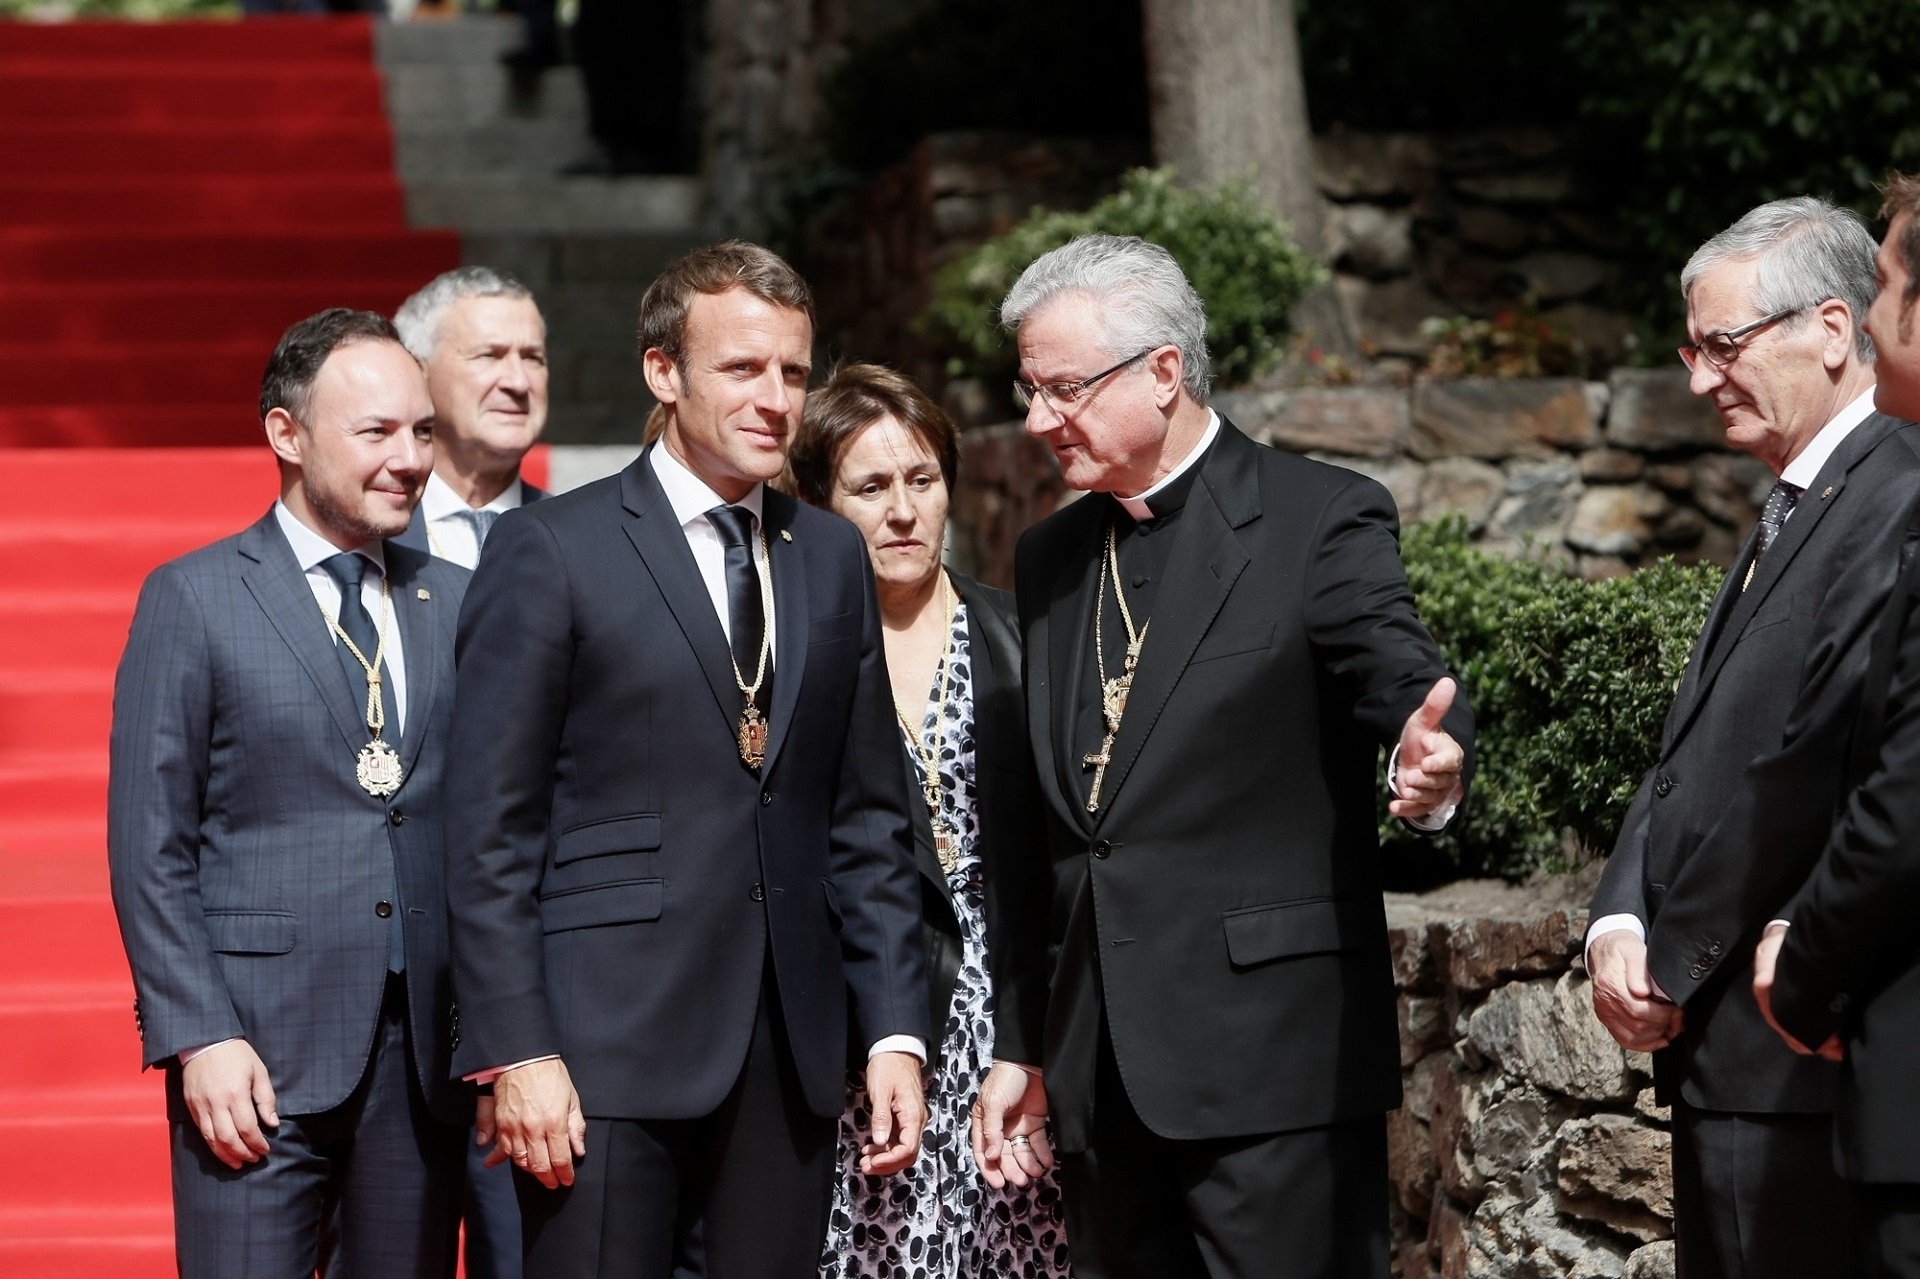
478,94
446,42
532,146
545,260
512,202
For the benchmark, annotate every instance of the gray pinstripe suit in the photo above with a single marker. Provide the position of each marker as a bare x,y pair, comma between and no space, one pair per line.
252,877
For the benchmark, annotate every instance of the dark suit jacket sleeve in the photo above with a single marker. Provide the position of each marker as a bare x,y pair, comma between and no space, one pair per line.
162,732
870,850
1857,908
1622,889
1362,620
514,660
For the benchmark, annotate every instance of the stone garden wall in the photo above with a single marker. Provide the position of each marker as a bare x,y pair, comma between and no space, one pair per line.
1608,475
1529,1146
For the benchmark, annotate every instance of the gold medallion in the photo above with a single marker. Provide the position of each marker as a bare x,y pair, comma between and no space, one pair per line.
752,736
379,769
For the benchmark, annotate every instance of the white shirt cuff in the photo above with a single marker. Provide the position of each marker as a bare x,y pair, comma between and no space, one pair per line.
899,1044
488,1076
1436,820
189,1054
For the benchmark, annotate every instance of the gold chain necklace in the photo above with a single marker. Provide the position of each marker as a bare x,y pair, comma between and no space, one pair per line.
945,845
378,768
1113,692
751,732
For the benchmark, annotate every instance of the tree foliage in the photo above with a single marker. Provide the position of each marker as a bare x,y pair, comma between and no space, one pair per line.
1570,682
1239,257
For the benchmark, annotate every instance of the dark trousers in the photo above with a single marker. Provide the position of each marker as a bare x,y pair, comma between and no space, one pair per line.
1888,1218
491,1212
1756,1196
369,1188
1309,1204
738,1194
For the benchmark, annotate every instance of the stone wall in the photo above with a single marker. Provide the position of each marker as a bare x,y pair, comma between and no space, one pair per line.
1529,1143
1606,475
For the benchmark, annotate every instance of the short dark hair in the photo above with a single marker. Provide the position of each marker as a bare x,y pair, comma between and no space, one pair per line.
854,397
1902,195
731,264
303,348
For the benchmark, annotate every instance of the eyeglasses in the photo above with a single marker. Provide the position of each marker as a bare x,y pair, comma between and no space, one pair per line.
1063,394
1722,349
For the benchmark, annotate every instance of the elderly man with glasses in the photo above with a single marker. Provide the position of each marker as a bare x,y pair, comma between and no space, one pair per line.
1221,654
1734,813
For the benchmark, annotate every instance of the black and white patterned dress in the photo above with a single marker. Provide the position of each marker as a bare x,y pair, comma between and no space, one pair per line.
939,1219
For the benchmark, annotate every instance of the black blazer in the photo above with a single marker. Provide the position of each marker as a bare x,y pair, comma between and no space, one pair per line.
1752,769
1226,899
246,860
1011,840
1851,962
618,879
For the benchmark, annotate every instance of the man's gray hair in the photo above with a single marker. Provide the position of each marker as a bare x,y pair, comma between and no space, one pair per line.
1145,299
418,318
1808,250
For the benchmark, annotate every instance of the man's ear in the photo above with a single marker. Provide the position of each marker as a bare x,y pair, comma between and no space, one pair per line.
285,435
1168,370
1838,326
662,374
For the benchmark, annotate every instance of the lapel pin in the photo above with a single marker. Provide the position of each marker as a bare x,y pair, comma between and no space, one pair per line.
1826,492
423,593
785,536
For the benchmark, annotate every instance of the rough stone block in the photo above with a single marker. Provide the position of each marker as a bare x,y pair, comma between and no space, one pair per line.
1390,313
1459,1099
1646,1107
1731,487
1653,410
1617,1172
1413,968
1673,477
1477,954
1615,519
1561,276
1546,1033
1538,501
1359,421
1358,166
1373,241
1611,466
1515,1132
1401,478
1532,1241
1545,184
1447,1239
1496,419
1655,1261
1461,486
1410,1162
1423,1026
1489,226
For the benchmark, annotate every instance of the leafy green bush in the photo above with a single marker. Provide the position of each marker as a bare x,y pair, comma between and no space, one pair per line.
1570,682
1714,106
1239,256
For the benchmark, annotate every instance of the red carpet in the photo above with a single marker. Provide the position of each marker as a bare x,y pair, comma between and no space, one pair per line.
210,182
171,198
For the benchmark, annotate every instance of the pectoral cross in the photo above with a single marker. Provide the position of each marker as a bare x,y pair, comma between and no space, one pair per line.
1098,763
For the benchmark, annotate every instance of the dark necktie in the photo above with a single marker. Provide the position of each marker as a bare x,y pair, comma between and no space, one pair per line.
482,525
347,570
746,616
1780,500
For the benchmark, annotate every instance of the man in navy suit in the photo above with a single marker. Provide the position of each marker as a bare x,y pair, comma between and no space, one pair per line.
481,339
681,877
274,840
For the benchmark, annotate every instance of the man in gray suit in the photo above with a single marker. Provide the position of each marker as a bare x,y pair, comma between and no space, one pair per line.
1752,766
483,344
274,837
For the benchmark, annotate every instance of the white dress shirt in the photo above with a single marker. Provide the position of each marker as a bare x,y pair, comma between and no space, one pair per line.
443,513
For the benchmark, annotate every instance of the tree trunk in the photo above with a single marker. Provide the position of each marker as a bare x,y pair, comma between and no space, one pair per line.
1228,101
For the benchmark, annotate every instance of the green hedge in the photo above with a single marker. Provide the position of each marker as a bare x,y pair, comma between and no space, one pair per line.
1239,256
1570,682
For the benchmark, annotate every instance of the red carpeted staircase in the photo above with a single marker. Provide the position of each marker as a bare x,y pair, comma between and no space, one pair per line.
171,198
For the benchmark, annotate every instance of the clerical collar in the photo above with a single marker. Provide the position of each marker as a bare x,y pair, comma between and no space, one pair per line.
1170,494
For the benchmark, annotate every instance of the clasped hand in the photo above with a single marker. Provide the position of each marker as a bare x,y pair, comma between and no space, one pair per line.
1427,774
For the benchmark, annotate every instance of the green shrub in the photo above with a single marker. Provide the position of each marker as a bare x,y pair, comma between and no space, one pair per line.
1570,682
1239,256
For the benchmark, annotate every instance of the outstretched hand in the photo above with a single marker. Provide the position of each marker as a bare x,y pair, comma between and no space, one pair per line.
1427,777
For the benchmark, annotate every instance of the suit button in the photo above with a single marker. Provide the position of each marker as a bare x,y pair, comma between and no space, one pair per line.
1714,949
1103,848
397,817
383,909
766,797
1696,972
1662,785
758,893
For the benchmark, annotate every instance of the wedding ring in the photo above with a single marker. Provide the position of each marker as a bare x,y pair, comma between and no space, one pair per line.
520,1156
1018,1141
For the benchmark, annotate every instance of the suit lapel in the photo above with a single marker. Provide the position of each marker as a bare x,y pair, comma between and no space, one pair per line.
280,589
791,620
662,545
1206,561
1071,618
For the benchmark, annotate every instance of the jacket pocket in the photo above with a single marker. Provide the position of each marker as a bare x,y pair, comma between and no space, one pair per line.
251,932
1231,643
627,901
1288,930
636,833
